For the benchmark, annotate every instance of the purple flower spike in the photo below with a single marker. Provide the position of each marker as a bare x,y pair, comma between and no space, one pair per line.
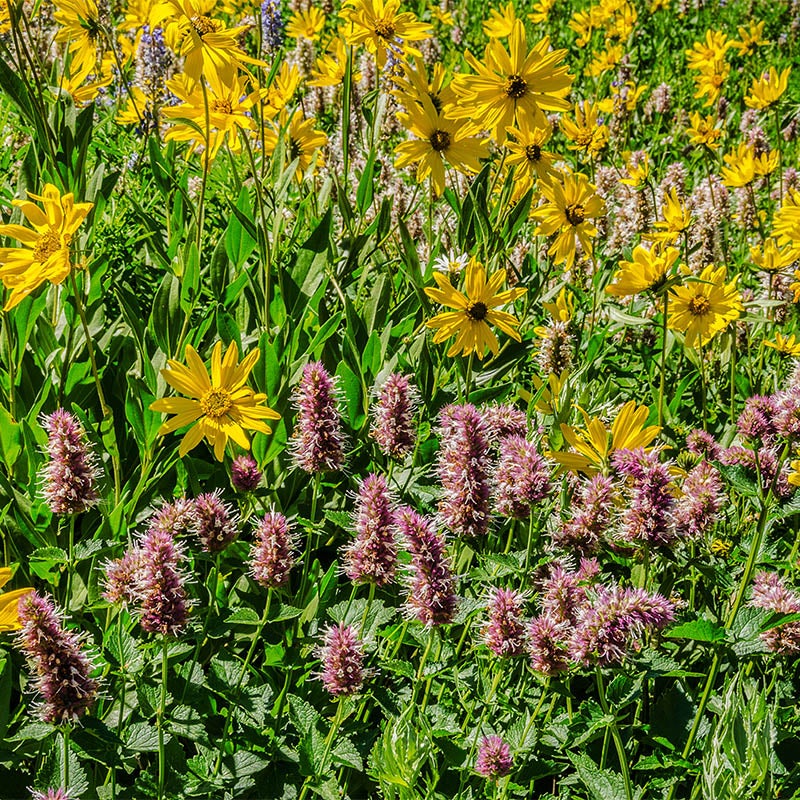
342,658
504,632
504,420
217,523
522,478
548,641
393,425
50,794
494,758
63,672
697,510
271,557
372,556
160,590
245,474
463,467
591,518
318,439
70,474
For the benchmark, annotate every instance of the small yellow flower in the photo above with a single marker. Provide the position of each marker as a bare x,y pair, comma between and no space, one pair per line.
595,443
750,38
646,273
770,257
540,10
80,26
768,89
722,547
9,602
219,407
705,54
637,172
704,307
794,475
787,345
587,134
529,159
303,142
476,309
564,307
45,252
709,82
549,392
500,23
677,219
306,24
704,130
330,69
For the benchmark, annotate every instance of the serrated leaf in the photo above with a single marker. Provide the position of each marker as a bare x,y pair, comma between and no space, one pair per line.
345,754
601,783
698,630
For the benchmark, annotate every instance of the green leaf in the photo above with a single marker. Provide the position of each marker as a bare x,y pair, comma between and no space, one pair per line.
46,563
351,387
699,630
601,783
345,754
141,737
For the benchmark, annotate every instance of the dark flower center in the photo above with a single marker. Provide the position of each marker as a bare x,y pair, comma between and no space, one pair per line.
216,402
516,86
477,311
575,214
295,149
384,30
440,140
47,244
203,25
221,106
533,152
699,305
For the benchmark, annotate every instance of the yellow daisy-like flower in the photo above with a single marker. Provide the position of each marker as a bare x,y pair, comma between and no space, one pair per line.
709,82
704,307
549,392
787,345
476,310
515,85
586,134
605,61
786,225
750,38
79,22
45,252
414,84
638,171
677,219
540,10
331,68
9,602
772,258
567,213
380,26
306,24
704,130
563,309
768,89
303,142
646,273
218,407
526,154
626,96
595,443
438,138
208,47
704,54
500,23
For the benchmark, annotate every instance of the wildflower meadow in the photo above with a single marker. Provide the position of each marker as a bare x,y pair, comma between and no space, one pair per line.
400,400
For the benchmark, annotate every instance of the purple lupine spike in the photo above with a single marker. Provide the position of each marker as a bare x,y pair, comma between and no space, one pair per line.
63,672
342,657
697,510
70,474
245,474
217,523
463,468
593,514
504,631
504,420
548,643
393,426
318,439
372,556
272,555
615,622
648,517
521,479
494,758
164,605
431,598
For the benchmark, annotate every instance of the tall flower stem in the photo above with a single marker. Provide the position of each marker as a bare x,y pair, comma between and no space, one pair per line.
108,417
162,706
468,378
311,537
338,718
65,755
618,743
663,361
70,563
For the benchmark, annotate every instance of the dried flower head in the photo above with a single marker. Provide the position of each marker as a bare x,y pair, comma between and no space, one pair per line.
70,474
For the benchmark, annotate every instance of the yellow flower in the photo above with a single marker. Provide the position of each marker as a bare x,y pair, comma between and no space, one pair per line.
526,154
330,69
569,207
476,310
219,407
209,48
677,219
380,26
441,16
414,85
786,225
564,307
788,346
709,82
438,138
595,442
74,83
606,60
303,142
45,252
514,86
741,168
637,171
500,23
540,10
770,257
228,113
704,55
704,307
276,96
9,602
586,133
646,273
750,38
704,130
549,401
627,96
768,89
306,24
80,26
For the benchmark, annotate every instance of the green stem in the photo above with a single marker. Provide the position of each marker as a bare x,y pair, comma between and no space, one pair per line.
663,362
162,706
337,721
618,743
65,731
70,563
